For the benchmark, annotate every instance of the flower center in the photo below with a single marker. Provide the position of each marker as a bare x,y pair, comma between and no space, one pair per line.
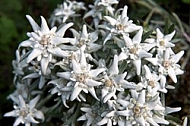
81,77
81,43
162,42
45,39
133,50
137,110
166,64
108,83
24,112
152,83
120,27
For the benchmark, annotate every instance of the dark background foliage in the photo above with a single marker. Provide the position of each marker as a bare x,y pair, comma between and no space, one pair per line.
14,25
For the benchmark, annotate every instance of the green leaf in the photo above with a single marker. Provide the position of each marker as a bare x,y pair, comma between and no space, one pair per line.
146,35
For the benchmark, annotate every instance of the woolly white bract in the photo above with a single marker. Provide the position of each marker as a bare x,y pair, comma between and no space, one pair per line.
103,73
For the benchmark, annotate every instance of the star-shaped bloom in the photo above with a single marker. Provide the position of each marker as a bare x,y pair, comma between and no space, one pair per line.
108,4
35,72
18,65
138,110
161,42
151,81
61,88
113,82
21,89
92,113
26,113
134,51
44,43
167,63
82,77
121,24
87,39
64,11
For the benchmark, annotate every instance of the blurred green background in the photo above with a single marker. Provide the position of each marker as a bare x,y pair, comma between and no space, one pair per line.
14,25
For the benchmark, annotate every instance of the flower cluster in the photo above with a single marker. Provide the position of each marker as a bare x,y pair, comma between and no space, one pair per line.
103,72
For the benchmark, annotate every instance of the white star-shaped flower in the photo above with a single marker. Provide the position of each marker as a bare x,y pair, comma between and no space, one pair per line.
82,77
121,24
87,39
167,63
134,51
108,4
26,113
151,81
161,42
44,43
138,110
61,88
114,82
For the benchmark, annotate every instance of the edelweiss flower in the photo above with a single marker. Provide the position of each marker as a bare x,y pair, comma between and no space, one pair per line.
113,81
96,12
134,51
36,72
87,39
161,42
82,77
167,63
92,113
44,43
139,111
25,113
65,11
152,81
108,4
61,88
18,65
122,24
21,89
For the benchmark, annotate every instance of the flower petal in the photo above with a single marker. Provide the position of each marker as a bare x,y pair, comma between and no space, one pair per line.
141,98
75,93
137,38
140,120
44,26
44,64
76,67
159,34
175,58
160,120
39,115
21,101
35,53
34,101
34,25
93,92
26,43
58,52
61,31
169,36
172,75
11,113
137,64
169,110
92,83
66,75
114,70
151,121
111,20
